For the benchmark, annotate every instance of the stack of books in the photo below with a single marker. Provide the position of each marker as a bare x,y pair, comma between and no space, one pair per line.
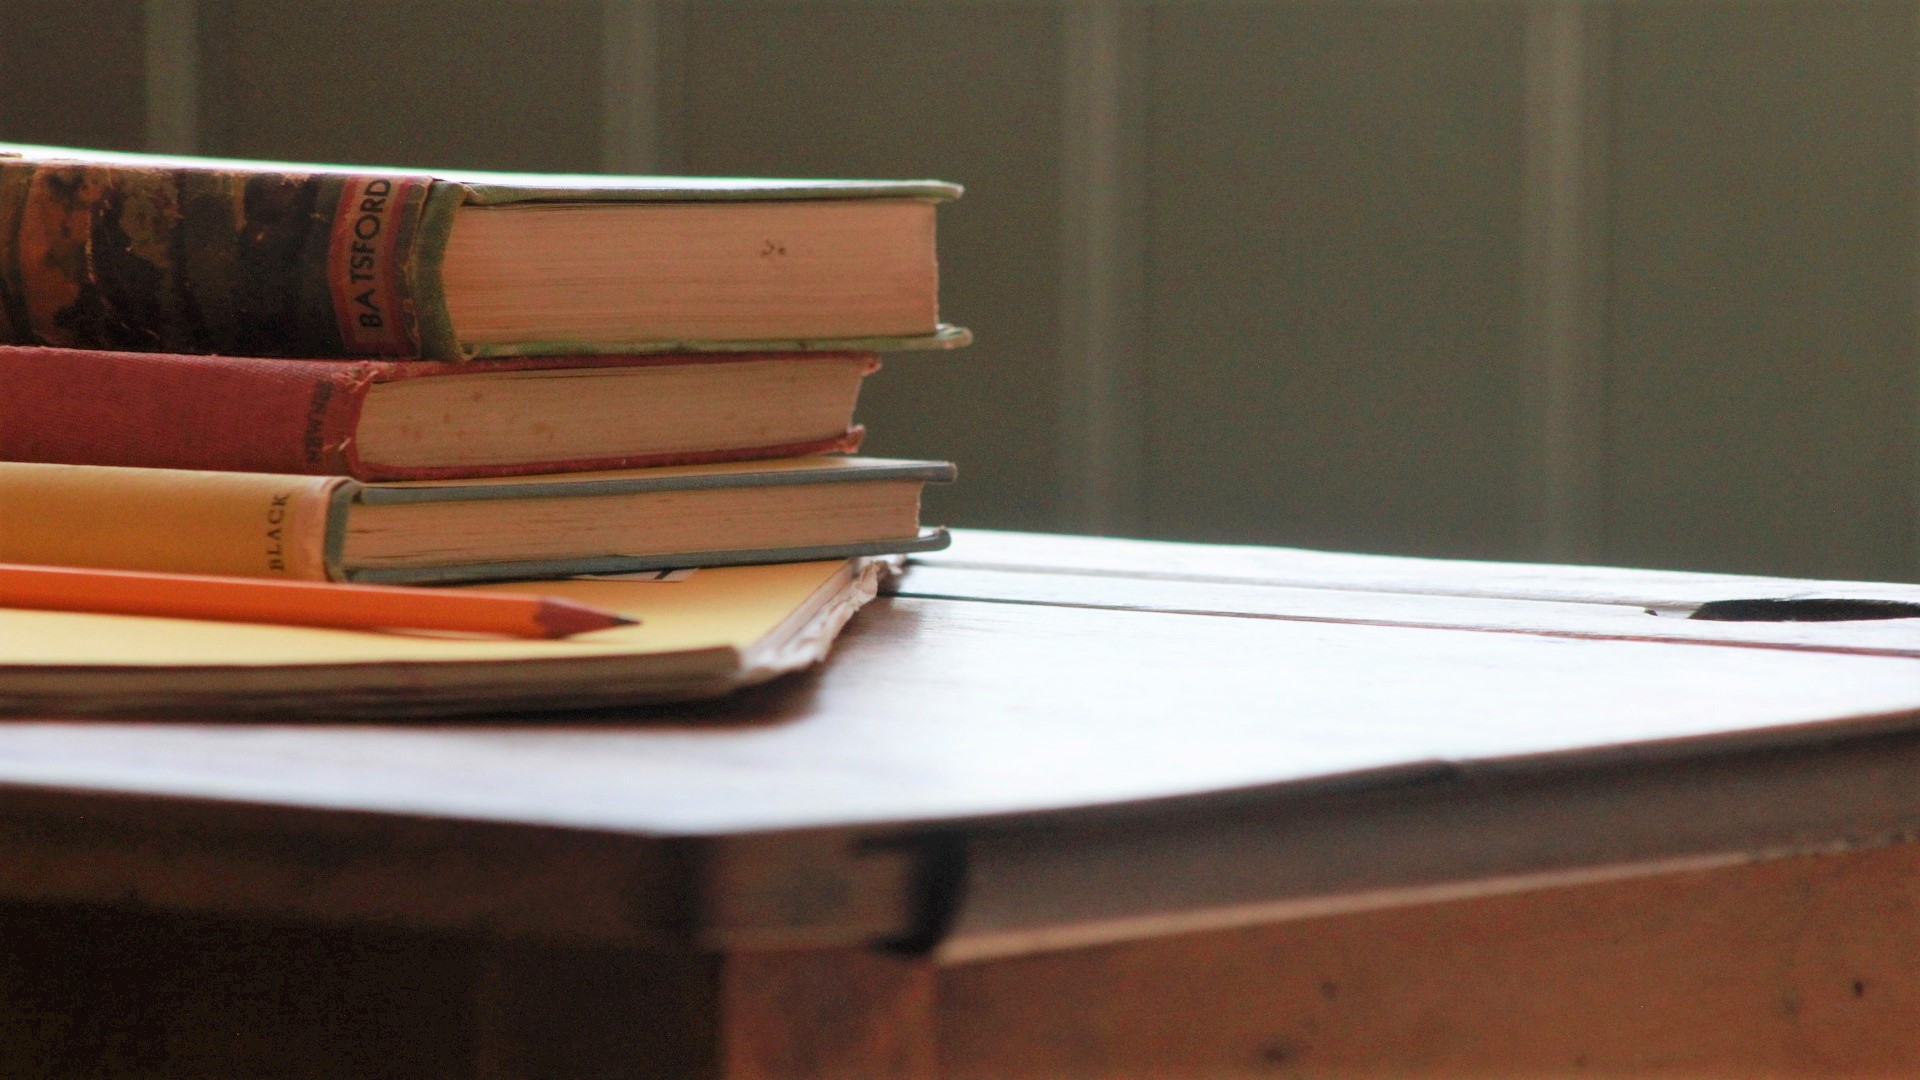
311,372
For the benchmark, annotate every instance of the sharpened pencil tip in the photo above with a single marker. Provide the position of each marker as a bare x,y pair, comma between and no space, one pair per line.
563,618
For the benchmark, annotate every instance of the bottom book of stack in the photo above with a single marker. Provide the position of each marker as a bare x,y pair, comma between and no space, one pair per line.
435,531
699,635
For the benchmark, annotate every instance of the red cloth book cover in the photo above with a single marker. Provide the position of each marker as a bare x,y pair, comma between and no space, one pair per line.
243,414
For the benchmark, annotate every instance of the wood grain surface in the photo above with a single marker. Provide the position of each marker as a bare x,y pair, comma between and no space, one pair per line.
1451,834
583,1014
940,709
92,993
1554,618
991,716
1797,968
1132,809
1225,563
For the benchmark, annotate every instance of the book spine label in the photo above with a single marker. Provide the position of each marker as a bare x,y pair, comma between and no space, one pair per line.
174,521
150,258
372,234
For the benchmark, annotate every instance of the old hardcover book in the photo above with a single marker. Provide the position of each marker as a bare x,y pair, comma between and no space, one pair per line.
201,255
718,630
413,420
334,528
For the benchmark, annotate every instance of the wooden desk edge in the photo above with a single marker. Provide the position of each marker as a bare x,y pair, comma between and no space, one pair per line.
976,889
1268,856
798,889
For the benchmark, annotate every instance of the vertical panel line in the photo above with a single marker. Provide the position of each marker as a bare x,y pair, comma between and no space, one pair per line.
1101,269
630,86
171,29
1564,273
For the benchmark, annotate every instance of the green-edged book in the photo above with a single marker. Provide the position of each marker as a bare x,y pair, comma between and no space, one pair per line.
559,525
203,255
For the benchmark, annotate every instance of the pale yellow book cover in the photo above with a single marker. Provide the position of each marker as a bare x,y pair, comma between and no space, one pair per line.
717,630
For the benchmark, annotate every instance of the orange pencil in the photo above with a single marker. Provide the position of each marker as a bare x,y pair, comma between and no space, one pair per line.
296,603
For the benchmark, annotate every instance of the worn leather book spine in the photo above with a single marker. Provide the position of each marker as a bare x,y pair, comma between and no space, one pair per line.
105,250
208,260
242,414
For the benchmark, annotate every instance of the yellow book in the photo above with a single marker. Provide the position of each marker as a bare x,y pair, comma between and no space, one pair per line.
713,632
435,531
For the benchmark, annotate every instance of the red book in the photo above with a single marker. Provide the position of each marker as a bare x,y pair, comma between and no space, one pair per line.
415,420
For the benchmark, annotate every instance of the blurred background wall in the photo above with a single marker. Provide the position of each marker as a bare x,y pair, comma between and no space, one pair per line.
1628,281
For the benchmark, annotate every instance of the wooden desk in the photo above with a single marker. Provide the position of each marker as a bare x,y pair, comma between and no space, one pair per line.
1058,808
